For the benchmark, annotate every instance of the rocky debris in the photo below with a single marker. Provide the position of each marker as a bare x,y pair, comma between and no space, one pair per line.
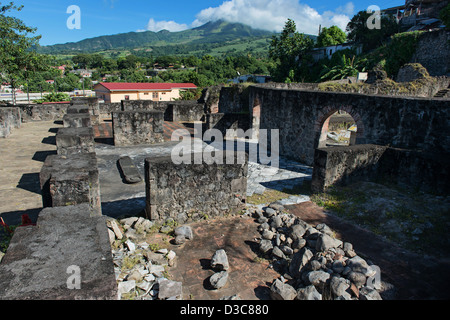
315,263
142,268
282,291
219,260
170,290
219,279
182,234
308,293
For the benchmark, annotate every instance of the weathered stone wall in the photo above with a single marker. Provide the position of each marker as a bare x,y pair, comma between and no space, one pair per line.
10,118
424,171
344,165
138,127
71,180
228,121
410,123
92,104
421,170
194,191
433,52
40,259
43,112
233,99
75,140
185,111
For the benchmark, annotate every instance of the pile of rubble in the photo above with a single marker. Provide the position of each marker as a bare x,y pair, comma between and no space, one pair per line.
314,264
142,269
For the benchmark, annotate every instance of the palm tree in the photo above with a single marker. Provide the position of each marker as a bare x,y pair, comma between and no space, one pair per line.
347,67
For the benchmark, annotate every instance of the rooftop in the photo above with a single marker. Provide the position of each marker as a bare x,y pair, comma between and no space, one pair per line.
146,86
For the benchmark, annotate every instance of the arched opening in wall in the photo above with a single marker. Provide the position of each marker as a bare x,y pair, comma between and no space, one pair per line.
339,129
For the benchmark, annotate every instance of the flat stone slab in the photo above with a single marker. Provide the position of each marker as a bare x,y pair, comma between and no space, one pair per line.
66,256
129,170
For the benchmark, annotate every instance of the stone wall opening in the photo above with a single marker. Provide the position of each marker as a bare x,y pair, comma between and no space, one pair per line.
339,128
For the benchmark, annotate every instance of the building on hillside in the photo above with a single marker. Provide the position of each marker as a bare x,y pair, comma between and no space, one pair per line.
416,12
256,78
116,92
327,52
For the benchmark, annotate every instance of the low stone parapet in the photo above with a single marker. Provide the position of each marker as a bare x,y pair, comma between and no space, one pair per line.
75,140
10,118
77,120
138,127
67,256
195,191
343,165
71,180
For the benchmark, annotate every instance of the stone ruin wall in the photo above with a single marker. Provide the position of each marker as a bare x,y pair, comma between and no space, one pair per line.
195,191
409,123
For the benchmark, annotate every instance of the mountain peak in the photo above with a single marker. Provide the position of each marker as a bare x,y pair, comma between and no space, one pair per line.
211,32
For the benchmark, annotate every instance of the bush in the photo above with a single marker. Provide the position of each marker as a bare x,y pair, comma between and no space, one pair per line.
54,97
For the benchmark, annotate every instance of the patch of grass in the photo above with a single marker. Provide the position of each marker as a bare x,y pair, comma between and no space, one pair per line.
129,262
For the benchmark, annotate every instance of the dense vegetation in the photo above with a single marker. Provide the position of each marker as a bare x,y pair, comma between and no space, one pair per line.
208,55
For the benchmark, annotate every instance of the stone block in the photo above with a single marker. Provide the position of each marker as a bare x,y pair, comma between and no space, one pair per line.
138,127
10,117
67,256
75,140
92,104
344,165
193,191
71,180
77,120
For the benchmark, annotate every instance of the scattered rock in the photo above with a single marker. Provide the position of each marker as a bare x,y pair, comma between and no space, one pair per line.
339,286
282,291
326,242
308,293
357,278
318,278
125,287
219,260
369,294
219,279
270,212
265,246
170,289
299,261
233,297
185,231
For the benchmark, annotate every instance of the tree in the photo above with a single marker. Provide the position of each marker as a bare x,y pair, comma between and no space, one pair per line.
445,16
331,36
16,56
288,50
347,67
359,32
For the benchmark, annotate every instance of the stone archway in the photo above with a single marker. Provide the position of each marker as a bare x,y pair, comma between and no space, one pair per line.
322,125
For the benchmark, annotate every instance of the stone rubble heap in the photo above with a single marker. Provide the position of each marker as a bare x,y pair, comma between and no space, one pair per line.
314,264
141,268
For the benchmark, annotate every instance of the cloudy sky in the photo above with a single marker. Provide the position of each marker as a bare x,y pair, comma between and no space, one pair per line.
103,17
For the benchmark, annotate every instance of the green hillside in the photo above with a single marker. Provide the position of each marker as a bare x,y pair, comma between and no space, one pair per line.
181,42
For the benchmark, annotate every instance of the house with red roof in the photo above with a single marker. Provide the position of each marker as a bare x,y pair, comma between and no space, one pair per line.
116,92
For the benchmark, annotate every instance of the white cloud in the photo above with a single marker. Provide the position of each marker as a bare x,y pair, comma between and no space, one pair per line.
171,26
272,14
265,14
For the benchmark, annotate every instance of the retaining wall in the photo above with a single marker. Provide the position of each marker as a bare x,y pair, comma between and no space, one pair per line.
194,191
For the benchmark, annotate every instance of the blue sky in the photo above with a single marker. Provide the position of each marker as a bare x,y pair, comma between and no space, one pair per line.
104,17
